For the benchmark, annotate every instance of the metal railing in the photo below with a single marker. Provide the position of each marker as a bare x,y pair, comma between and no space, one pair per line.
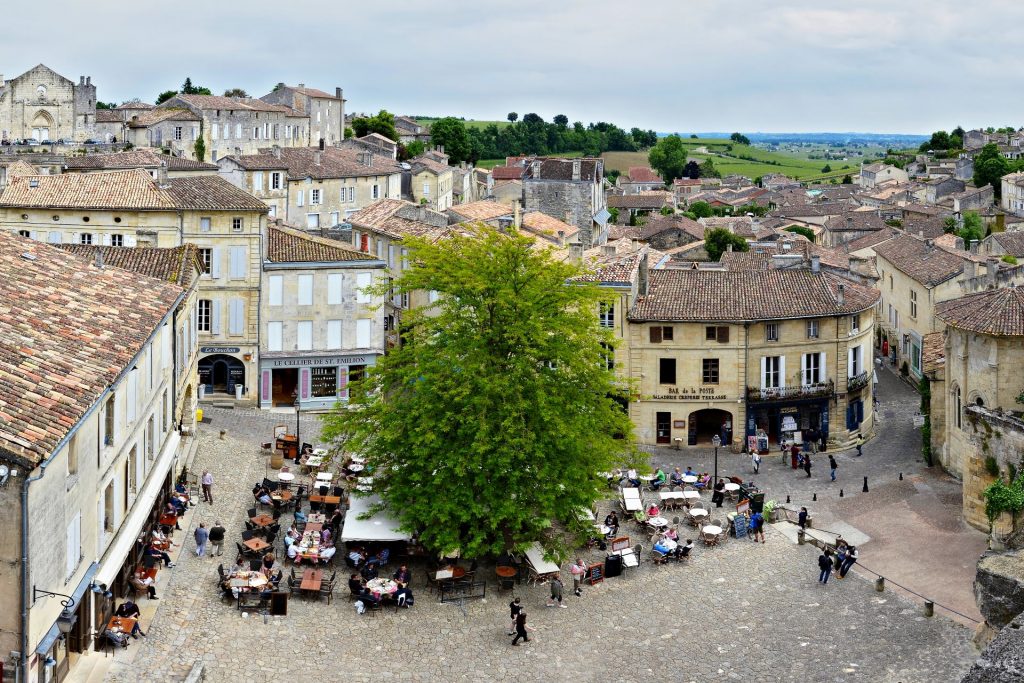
858,381
817,390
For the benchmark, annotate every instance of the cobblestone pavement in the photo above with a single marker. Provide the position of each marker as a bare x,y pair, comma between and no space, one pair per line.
918,538
740,611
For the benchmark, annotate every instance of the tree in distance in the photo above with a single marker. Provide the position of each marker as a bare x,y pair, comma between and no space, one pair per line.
701,209
512,117
487,427
561,120
740,139
847,179
382,124
717,241
989,168
826,169
668,158
450,133
235,92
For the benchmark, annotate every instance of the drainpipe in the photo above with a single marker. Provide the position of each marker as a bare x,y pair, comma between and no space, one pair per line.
743,386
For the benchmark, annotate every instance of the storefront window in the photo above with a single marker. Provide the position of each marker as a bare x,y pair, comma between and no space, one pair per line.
324,381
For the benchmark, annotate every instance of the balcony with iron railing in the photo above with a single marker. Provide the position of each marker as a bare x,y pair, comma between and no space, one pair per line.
816,390
858,381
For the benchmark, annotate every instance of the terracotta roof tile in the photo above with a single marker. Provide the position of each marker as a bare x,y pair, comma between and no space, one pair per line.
175,265
484,210
750,295
928,264
561,169
646,200
398,218
642,174
995,311
155,116
67,331
933,351
1011,242
108,116
507,172
288,245
539,222
136,158
334,162
659,224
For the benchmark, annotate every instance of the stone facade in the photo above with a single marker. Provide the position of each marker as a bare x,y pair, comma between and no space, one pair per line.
326,112
44,105
1012,199
571,190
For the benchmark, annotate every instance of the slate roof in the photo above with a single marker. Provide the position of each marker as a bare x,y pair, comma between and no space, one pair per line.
483,210
132,189
647,200
1011,242
335,162
67,331
929,265
136,158
175,265
561,169
822,209
719,295
930,226
288,245
855,221
659,224
996,311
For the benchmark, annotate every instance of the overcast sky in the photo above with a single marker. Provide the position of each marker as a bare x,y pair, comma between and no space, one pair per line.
909,66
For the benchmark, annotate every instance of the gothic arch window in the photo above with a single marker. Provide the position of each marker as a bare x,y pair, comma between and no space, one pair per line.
958,407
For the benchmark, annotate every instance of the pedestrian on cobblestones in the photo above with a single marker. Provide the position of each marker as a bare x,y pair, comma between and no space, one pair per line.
801,519
860,444
825,565
578,571
851,559
514,608
217,533
832,465
756,527
756,460
556,593
807,465
207,482
202,536
812,440
521,629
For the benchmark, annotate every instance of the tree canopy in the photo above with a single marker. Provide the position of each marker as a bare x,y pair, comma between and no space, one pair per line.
512,117
717,241
187,88
382,124
533,135
450,132
165,95
668,158
700,209
801,230
989,168
235,92
487,427
740,139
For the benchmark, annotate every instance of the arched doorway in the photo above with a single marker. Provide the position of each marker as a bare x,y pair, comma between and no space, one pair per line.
41,126
705,424
220,373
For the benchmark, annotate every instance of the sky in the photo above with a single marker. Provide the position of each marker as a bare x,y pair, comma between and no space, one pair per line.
910,66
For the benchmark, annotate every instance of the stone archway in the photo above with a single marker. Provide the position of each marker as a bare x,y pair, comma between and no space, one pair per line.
42,124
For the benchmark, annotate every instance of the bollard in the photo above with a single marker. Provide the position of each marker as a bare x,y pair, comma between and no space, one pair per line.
800,539
865,484
787,498
901,476
929,608
880,584
814,497
223,433
840,493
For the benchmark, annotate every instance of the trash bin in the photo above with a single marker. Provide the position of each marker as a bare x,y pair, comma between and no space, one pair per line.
238,392
202,391
199,414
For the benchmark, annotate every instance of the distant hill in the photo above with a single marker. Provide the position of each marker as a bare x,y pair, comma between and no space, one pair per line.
895,140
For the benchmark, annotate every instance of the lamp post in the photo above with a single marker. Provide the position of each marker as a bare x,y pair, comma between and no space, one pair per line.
66,620
716,441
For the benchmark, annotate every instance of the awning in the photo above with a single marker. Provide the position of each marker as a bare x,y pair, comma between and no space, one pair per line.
380,527
51,636
113,559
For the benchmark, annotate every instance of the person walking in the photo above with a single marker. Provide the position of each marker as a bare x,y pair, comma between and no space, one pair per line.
756,527
521,628
718,497
801,519
832,465
851,559
202,536
825,565
812,440
860,444
207,482
217,533
807,464
514,608
578,571
756,460
556,593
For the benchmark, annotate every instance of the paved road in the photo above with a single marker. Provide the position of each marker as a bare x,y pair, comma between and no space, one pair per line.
742,611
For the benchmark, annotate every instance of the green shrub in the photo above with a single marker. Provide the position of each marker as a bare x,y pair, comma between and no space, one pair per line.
991,466
1001,497
1009,258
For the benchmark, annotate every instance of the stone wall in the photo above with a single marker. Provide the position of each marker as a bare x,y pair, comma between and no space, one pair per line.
567,201
986,434
999,592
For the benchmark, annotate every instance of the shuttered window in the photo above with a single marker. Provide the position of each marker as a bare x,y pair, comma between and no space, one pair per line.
334,284
334,334
304,335
275,290
274,334
305,289
363,329
236,317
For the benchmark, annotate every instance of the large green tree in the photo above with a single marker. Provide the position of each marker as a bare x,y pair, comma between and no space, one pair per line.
717,241
382,124
450,132
668,158
989,167
487,427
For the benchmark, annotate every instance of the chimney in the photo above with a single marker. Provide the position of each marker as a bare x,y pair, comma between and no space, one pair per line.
561,238
421,213
815,263
316,157
302,85
970,269
569,218
276,151
992,268
576,168
323,144
99,258
161,176
642,275
517,215
368,158
974,246
337,93
608,249
575,252
849,222
88,80
279,86
81,80
959,243
536,169
920,233
728,248
841,295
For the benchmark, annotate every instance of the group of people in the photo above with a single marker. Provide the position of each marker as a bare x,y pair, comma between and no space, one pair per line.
126,610
845,557
403,597
269,567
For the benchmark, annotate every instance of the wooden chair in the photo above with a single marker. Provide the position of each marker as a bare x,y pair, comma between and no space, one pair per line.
327,588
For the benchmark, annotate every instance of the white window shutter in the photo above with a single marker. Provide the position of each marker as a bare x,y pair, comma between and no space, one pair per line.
849,362
129,240
215,317
236,316
237,263
275,289
33,235
363,280
764,371
274,334
805,369
334,334
305,289
782,372
334,283
304,335
215,262
132,400
300,198
823,369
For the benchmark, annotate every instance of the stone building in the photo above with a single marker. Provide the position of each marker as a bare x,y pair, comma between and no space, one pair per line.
738,354
174,129
571,190
326,112
147,159
320,329
130,208
872,175
639,179
982,380
1012,197
430,181
314,186
88,443
44,105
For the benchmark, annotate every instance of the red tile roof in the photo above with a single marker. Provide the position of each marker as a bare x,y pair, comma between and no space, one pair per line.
642,174
175,265
288,245
996,311
136,158
67,331
928,264
507,172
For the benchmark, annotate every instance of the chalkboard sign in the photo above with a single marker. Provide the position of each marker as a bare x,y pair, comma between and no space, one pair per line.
595,573
739,524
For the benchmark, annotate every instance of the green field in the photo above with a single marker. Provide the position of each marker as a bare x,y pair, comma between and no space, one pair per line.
761,161
469,123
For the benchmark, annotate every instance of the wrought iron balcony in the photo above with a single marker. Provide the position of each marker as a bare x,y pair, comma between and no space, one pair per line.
818,390
858,381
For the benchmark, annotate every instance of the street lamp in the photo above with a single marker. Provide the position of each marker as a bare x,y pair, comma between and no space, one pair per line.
66,620
716,441
298,441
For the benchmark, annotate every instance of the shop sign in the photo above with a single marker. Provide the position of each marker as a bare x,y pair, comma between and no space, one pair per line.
692,394
679,424
219,349
313,362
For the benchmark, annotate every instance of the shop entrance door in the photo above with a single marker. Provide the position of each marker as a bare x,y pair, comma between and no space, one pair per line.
663,427
710,422
285,382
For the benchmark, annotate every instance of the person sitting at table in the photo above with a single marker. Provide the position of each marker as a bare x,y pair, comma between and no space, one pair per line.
632,477
263,496
300,516
141,582
671,534
327,553
659,479
612,522
369,572
356,557
367,597
325,534
337,517
402,575
240,566
160,539
676,478
689,472
661,548
355,584
268,563
703,481
275,578
153,551
129,610
683,551
293,552
115,638
171,510
403,596
652,510
719,495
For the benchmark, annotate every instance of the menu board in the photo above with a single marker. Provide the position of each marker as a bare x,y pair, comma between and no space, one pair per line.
595,573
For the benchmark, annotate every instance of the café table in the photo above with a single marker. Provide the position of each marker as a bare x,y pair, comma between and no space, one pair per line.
449,573
698,513
689,479
709,534
283,496
168,519
248,579
671,495
356,467
314,461
382,586
285,476
602,529
327,500
324,477
732,488
121,624
256,544
505,572
320,452
359,459
657,522
312,579
316,518
689,495
262,520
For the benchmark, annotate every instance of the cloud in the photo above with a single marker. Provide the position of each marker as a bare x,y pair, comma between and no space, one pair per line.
683,65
